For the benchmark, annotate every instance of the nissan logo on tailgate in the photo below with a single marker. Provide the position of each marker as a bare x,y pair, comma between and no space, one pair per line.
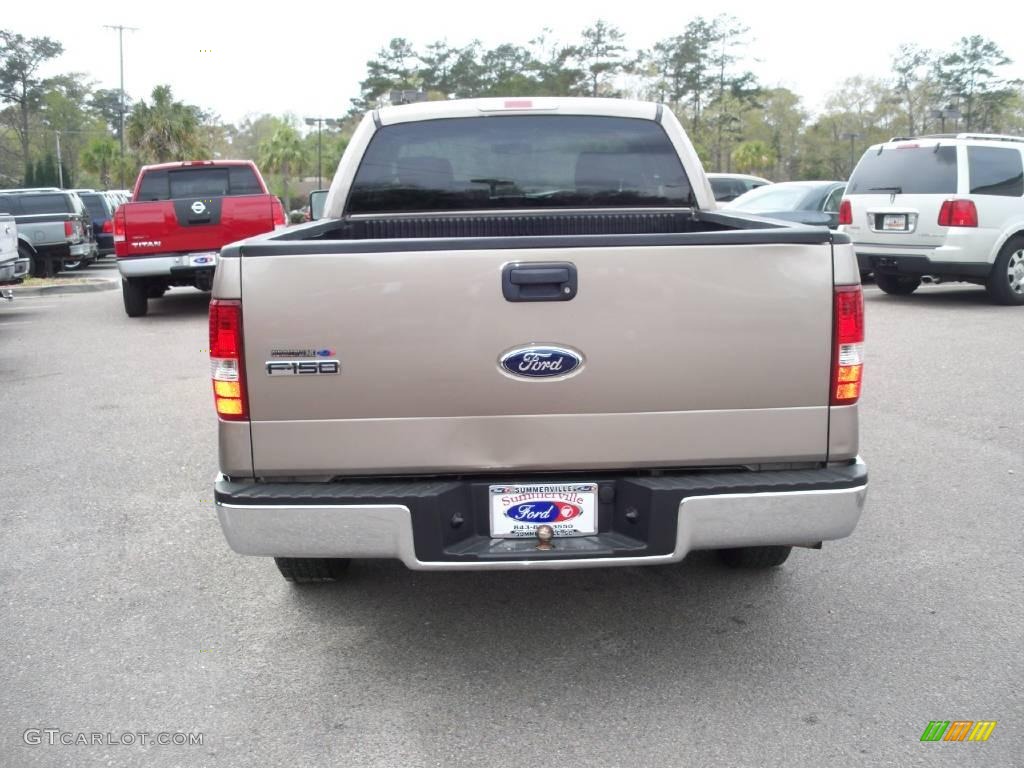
540,362
198,207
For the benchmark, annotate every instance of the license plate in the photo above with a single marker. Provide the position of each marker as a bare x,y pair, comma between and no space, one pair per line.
203,259
569,508
894,221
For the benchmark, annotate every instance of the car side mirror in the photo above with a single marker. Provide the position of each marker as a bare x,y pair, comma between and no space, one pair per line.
317,201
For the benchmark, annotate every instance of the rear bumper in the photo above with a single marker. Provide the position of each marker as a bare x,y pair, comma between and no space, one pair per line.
8,272
899,264
105,244
642,520
176,265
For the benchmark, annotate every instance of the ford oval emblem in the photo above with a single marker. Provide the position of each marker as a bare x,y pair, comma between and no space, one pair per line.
541,362
543,512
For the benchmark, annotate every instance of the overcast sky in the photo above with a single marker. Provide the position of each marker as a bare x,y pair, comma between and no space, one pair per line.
308,57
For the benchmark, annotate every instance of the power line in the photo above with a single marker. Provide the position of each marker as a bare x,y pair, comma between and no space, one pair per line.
120,45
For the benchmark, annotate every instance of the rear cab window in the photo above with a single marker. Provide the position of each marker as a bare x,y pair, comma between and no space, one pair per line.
907,170
31,204
518,162
202,181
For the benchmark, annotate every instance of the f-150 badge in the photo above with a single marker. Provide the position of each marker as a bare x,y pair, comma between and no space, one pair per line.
302,367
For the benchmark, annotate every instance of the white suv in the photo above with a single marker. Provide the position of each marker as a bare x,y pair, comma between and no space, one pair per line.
947,206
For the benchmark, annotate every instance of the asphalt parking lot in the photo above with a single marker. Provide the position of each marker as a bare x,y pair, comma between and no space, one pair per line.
123,610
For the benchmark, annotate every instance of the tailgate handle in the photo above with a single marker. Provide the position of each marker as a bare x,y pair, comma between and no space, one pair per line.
539,281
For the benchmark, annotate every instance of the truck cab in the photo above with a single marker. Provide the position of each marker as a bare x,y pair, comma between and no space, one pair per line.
179,217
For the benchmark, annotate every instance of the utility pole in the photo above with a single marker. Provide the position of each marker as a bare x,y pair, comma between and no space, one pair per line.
852,136
120,46
60,164
319,123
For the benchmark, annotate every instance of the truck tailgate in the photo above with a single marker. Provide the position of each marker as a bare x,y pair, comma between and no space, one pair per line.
174,226
696,354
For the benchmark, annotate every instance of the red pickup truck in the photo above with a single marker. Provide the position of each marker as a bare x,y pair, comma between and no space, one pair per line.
179,217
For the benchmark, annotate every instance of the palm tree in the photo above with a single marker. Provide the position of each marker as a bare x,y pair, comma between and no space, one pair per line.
283,153
100,157
167,129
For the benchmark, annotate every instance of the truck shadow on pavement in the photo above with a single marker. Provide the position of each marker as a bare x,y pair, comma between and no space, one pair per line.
945,296
184,302
586,628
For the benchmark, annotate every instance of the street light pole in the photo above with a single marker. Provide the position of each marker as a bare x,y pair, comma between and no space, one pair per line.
951,112
60,163
120,46
319,123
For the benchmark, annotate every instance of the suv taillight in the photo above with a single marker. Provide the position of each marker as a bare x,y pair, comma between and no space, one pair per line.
226,365
845,212
958,213
108,226
278,212
119,225
848,345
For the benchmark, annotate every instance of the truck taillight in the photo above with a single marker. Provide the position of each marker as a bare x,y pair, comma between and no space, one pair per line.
848,345
226,363
278,213
69,228
845,212
119,225
958,213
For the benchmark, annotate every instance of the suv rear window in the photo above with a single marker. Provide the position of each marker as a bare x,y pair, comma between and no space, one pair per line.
995,171
96,205
45,204
199,182
908,171
521,161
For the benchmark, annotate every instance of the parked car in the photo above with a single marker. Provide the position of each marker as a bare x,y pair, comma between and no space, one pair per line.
13,266
501,348
948,206
793,199
101,212
729,186
179,217
53,228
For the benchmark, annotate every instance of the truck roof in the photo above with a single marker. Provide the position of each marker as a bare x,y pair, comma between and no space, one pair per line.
435,110
194,163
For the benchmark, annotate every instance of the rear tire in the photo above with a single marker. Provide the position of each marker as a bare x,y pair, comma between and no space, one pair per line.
156,291
34,263
755,557
311,570
74,266
897,285
1005,283
134,293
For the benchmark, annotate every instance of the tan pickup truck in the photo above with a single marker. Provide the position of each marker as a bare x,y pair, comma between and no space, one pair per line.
523,337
